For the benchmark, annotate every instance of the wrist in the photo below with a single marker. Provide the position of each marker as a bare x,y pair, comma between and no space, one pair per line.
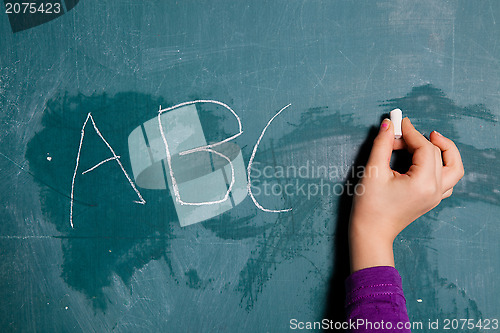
369,246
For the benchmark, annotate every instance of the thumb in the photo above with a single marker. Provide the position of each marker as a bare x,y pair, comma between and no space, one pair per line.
382,146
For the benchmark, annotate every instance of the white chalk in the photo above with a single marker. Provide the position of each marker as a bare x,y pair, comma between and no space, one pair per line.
397,118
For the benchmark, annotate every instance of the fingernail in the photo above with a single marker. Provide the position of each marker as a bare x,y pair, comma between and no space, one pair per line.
438,133
385,124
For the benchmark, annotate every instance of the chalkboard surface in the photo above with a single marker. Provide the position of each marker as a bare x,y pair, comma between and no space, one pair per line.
114,113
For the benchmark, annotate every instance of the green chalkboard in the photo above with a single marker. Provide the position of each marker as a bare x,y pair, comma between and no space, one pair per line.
189,166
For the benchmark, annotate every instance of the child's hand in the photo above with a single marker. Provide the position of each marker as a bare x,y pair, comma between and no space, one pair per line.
390,201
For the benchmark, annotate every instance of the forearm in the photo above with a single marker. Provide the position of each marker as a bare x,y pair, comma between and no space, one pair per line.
375,298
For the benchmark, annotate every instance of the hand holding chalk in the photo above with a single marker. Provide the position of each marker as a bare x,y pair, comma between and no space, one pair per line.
391,201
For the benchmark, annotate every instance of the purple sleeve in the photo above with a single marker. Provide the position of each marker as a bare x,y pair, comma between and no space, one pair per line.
375,301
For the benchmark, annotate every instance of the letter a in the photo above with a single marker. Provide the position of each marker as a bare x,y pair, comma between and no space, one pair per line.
115,157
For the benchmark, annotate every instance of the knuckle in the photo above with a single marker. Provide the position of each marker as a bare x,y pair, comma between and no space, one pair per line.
429,148
434,192
379,140
461,172
451,144
458,173
427,189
